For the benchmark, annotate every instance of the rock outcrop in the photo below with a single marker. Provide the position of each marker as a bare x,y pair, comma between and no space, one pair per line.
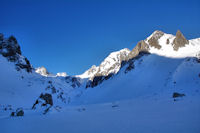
153,40
179,41
142,46
18,112
45,101
10,49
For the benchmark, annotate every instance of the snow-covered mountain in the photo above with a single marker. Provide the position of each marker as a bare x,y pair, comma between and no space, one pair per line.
43,71
111,64
161,74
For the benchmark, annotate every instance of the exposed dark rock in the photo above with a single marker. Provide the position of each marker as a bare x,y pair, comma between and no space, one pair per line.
130,66
27,66
10,49
167,41
98,80
1,37
176,94
12,114
131,61
153,41
179,41
115,106
19,112
51,87
34,105
47,98
74,81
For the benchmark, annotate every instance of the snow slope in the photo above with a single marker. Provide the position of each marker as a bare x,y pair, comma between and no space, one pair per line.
20,89
137,116
152,76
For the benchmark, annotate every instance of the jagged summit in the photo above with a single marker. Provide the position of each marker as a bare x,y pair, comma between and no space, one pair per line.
168,45
153,39
179,41
10,49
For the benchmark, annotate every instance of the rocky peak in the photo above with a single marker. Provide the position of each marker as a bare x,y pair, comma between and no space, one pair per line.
179,41
153,39
144,45
10,49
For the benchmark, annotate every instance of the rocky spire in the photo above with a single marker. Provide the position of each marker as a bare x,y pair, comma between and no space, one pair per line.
179,41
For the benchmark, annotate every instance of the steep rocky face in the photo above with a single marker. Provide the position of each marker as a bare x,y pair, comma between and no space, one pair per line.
44,101
73,81
10,49
153,40
179,41
98,79
142,46
145,45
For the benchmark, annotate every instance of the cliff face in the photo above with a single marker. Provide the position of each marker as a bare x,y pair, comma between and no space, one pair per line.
10,49
179,41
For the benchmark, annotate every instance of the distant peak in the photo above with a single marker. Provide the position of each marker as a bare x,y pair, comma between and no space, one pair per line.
42,71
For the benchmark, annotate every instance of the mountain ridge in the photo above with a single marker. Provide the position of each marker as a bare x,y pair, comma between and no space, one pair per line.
44,92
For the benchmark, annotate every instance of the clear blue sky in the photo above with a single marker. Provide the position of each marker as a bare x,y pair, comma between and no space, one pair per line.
71,35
